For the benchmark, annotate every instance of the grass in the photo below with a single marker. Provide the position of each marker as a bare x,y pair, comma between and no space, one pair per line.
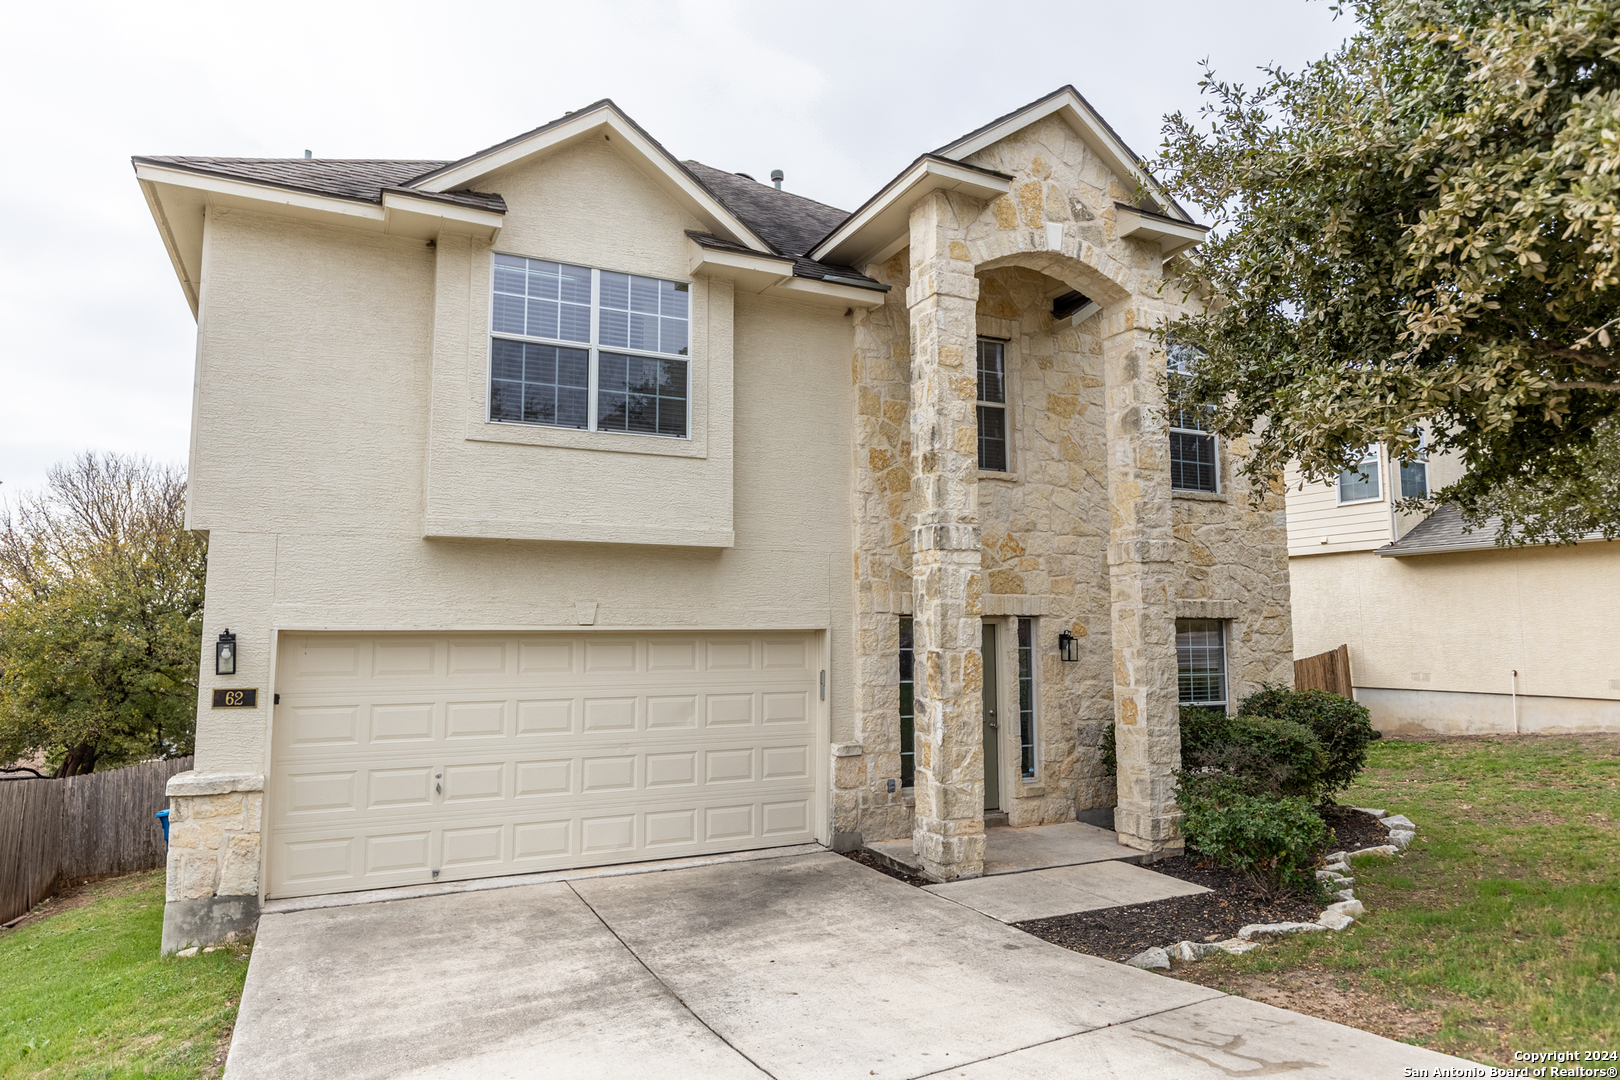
1499,929
84,993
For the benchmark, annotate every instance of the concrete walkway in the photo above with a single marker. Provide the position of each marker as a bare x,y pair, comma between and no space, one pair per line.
1063,890
796,967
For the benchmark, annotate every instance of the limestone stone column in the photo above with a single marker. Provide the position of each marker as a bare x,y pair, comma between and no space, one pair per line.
948,825
1140,550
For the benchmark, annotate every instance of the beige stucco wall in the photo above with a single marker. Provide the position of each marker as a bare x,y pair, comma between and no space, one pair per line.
318,412
1434,639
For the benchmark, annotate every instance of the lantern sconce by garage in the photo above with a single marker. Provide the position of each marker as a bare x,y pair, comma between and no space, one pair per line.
1068,647
225,654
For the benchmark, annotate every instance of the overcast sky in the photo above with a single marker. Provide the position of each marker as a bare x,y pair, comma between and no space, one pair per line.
98,341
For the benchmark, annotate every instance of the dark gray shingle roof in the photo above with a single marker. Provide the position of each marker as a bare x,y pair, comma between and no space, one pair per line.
1443,531
789,223
362,179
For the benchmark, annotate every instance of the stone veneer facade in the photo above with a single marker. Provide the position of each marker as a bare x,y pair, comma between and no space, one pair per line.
1083,532
212,885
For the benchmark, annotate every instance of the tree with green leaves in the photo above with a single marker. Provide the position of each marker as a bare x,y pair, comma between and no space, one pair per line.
101,595
1420,233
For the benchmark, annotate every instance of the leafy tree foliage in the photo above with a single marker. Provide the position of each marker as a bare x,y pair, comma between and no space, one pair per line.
1421,231
101,594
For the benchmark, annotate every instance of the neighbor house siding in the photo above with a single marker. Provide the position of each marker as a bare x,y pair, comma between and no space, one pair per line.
1434,639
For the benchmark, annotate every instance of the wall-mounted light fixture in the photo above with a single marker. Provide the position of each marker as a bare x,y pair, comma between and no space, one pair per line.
225,654
1068,646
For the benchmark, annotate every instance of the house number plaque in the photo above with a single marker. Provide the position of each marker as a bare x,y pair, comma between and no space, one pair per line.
236,699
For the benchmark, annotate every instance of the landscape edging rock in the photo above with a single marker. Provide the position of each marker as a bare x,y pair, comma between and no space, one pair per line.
1341,915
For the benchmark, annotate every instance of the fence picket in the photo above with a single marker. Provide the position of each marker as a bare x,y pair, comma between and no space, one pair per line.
1328,671
54,831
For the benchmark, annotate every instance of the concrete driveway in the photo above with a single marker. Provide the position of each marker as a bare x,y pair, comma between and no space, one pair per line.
790,967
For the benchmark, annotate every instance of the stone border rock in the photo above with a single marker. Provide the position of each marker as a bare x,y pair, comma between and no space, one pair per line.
1336,872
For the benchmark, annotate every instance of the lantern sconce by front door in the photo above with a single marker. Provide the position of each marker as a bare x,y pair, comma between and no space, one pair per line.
1068,647
225,654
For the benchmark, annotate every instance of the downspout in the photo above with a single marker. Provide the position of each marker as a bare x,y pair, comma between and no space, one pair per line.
1515,701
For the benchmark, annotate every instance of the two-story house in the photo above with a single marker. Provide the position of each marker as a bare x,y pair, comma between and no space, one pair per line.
570,504
1449,632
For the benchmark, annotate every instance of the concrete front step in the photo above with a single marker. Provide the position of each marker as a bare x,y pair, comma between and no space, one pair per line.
1018,851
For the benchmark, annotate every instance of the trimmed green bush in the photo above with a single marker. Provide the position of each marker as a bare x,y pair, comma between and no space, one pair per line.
1274,757
1271,841
1342,726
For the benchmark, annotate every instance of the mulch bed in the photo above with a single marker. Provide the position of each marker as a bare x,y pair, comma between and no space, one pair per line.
1120,933
1353,829
867,859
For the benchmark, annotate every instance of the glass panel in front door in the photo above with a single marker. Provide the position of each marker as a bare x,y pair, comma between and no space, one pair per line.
992,729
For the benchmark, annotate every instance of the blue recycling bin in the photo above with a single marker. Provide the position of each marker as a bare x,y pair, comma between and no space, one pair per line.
163,816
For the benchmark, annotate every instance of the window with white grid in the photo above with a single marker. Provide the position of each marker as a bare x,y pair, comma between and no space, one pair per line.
1201,661
1193,462
1360,482
992,405
595,350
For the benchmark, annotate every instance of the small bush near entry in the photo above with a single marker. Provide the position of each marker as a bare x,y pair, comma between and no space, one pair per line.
1342,726
1272,841
1272,757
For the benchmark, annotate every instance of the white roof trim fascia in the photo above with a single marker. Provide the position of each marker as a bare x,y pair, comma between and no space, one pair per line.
1090,128
192,289
576,127
876,224
754,273
1173,236
245,189
828,292
465,215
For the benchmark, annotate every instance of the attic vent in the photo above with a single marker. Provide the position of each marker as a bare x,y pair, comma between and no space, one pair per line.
777,178
308,155
745,176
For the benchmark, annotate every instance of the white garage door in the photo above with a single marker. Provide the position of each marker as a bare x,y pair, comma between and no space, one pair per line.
402,759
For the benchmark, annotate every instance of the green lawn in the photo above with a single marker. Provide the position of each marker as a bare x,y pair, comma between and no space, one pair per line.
1499,930
84,994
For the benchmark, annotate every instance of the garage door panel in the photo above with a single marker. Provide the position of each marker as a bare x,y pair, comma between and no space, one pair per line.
553,716
486,754
475,719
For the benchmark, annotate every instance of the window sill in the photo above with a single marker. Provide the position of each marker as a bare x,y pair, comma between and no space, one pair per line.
1004,477
496,431
1032,791
1200,496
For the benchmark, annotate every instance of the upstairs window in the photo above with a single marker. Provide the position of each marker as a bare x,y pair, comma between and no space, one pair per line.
589,349
1415,473
1193,462
1192,452
1360,482
992,405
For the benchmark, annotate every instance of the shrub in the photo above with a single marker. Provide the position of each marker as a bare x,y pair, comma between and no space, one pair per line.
1271,841
1341,725
1276,757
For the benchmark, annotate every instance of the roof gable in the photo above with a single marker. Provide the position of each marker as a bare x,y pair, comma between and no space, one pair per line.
601,119
1087,123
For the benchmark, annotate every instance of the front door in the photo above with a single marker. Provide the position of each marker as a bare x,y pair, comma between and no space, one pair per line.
992,729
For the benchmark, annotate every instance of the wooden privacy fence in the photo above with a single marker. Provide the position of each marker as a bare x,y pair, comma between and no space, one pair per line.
1328,671
79,827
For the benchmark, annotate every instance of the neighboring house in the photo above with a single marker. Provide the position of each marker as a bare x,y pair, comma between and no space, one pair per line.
1447,631
571,504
